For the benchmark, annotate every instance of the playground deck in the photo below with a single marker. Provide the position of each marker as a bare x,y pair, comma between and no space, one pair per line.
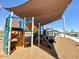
63,49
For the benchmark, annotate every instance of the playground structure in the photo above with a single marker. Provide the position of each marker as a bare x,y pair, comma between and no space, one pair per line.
14,35
17,31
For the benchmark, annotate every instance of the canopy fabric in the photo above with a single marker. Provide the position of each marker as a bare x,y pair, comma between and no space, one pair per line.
44,11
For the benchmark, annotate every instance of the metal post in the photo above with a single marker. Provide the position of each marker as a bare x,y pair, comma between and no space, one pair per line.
64,25
42,27
32,31
39,32
9,39
24,23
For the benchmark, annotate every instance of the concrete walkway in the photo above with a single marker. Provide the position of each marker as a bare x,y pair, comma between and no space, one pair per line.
73,38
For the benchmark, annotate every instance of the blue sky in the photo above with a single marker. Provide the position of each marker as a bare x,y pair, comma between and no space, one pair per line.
72,18
71,15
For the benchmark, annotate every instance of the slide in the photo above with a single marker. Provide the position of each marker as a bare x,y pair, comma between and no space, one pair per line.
47,41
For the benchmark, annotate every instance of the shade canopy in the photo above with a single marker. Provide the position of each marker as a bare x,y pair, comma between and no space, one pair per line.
44,11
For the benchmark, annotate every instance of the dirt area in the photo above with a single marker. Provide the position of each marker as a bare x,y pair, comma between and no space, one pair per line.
1,34
67,48
1,47
62,49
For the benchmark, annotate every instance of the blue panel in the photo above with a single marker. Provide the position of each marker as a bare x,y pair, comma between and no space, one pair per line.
29,21
20,24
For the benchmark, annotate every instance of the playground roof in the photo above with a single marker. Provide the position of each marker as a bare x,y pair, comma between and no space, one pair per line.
45,11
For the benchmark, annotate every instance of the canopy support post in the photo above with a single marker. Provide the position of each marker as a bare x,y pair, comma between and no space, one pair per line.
24,30
39,33
32,31
64,26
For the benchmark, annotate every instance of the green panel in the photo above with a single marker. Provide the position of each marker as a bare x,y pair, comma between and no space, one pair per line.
6,34
8,21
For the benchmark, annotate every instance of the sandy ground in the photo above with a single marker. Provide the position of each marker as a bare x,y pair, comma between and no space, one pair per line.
1,34
63,49
1,47
67,48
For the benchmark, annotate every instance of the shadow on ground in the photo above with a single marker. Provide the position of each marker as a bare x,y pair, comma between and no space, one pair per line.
50,51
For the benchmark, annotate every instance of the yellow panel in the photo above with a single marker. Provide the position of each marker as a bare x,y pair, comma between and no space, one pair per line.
35,29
